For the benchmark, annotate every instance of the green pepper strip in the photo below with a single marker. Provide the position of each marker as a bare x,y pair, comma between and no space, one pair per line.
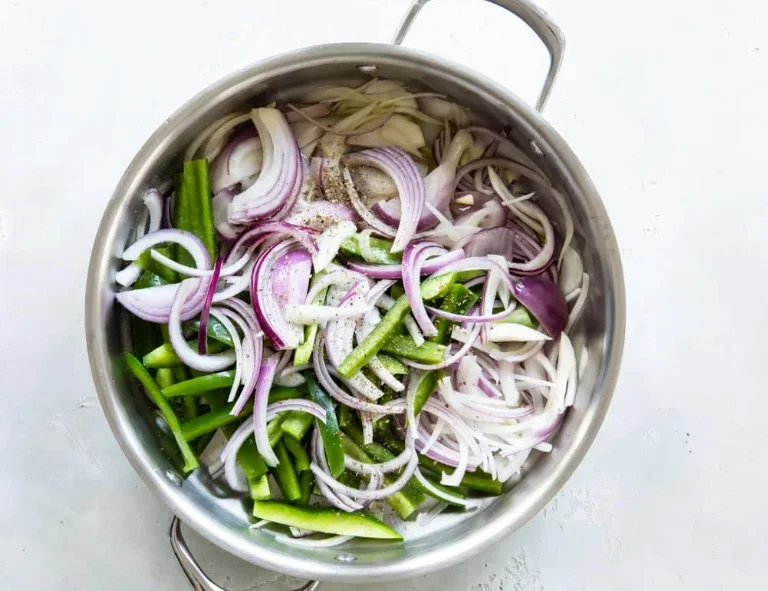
297,423
432,288
329,521
300,456
259,488
192,208
165,356
406,500
153,391
195,386
458,301
329,430
220,414
380,250
519,316
285,474
216,331
148,264
147,279
306,480
210,421
406,347
392,365
164,377
350,424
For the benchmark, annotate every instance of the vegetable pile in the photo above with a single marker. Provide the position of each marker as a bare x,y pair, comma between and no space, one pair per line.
328,313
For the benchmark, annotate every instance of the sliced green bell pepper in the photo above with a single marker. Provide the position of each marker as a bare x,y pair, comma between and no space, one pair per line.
328,521
432,288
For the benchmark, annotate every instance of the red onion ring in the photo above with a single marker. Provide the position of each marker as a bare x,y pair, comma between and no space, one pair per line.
202,335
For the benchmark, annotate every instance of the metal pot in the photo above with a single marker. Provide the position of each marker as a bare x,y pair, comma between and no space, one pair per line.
450,538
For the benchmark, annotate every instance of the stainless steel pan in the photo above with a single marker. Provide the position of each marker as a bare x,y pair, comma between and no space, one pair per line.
450,538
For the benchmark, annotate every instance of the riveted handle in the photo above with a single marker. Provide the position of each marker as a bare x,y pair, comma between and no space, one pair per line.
539,21
197,577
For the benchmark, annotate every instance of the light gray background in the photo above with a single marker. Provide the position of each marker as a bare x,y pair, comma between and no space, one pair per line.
664,101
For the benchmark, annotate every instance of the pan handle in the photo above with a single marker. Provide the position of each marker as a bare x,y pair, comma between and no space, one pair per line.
539,21
197,577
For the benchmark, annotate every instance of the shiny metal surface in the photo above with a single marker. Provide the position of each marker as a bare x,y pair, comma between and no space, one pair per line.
197,577
451,537
533,16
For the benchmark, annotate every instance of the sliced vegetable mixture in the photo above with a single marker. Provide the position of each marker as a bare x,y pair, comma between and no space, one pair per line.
363,317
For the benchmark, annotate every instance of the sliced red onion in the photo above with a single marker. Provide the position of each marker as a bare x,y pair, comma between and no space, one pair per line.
522,209
410,187
340,277
190,358
320,215
465,348
329,242
226,271
150,221
229,456
304,235
290,277
370,495
338,500
240,159
473,318
188,241
297,404
442,495
430,266
500,241
238,284
280,278
413,259
438,187
383,468
544,300
221,316
279,184
153,304
253,351
314,314
339,337
221,203
361,209
202,335
261,399
335,392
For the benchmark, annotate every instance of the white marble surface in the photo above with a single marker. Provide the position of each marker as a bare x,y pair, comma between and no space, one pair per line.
665,102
